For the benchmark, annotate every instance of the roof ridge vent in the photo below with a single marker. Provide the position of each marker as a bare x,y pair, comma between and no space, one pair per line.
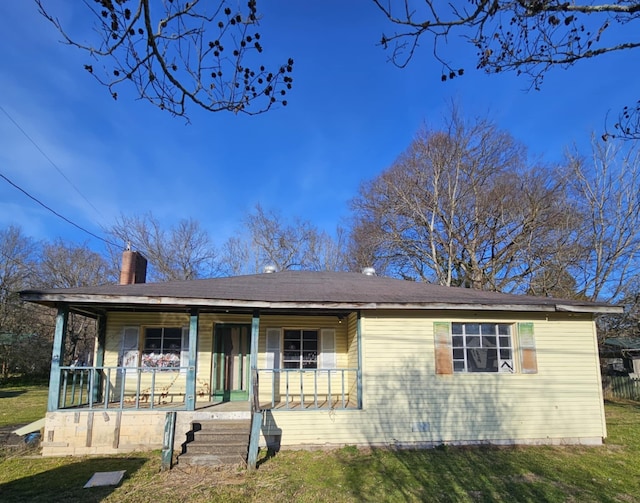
369,271
268,269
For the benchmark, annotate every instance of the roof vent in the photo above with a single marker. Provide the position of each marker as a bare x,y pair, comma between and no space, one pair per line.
268,269
369,271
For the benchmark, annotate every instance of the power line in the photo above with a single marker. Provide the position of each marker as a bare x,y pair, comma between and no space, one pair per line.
15,123
56,213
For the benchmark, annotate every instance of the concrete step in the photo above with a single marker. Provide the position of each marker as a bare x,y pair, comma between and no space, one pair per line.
204,448
215,442
212,459
221,438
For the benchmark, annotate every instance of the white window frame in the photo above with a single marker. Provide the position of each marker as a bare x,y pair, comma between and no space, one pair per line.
470,348
163,361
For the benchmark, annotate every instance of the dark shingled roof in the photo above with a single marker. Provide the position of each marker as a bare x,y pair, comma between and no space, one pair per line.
299,289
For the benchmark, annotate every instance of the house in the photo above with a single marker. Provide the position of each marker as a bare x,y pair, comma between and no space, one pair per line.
323,359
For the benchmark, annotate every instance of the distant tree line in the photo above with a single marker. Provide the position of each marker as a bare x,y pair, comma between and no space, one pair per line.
463,206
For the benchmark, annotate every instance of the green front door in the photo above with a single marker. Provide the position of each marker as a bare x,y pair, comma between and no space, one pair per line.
231,351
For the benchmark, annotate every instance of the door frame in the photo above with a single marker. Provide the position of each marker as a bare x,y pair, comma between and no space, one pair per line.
223,362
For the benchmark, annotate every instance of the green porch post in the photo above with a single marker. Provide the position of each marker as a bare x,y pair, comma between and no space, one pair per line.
253,358
256,414
57,355
190,398
359,349
101,321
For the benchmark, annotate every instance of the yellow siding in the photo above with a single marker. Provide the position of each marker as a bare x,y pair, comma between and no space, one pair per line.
406,402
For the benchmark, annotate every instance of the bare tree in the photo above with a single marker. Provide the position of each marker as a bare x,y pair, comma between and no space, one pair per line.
271,241
24,346
606,192
178,53
528,37
62,265
461,207
182,252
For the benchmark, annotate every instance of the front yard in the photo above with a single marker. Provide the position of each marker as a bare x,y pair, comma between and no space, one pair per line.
610,473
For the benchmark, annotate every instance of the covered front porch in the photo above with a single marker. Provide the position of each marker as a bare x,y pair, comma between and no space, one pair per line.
275,361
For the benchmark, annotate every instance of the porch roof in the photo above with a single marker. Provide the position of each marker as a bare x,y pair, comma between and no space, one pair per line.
303,290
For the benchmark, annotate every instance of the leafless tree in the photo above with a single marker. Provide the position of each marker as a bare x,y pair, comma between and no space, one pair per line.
182,252
24,348
271,241
461,207
528,37
62,265
605,188
178,53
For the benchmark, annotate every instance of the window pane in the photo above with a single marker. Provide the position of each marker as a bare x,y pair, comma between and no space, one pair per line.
488,328
489,341
482,360
458,354
473,342
505,342
505,354
456,328
504,329
472,328
458,366
457,341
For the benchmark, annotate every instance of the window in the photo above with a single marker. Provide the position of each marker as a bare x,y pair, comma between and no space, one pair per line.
482,347
300,349
163,347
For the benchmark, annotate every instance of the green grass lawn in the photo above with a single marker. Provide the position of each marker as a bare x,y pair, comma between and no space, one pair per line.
610,473
22,404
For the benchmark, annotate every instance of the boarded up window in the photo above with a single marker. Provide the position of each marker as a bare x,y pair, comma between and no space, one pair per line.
442,338
527,343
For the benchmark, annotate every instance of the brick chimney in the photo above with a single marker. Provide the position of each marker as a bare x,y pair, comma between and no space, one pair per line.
134,268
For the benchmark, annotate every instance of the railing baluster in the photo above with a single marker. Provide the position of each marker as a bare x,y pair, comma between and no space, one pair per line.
153,388
138,382
123,386
82,371
107,388
64,387
315,388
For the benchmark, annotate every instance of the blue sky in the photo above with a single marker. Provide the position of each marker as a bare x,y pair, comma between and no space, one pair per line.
350,114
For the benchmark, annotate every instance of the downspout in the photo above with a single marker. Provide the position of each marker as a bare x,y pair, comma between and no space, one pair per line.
57,355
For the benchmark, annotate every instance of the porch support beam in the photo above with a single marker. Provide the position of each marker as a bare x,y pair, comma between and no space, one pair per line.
57,355
193,353
101,340
359,349
253,358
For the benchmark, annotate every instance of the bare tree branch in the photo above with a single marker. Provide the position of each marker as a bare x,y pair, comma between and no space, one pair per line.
178,53
528,37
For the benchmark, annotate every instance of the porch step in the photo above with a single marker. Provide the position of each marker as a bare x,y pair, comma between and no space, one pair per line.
217,442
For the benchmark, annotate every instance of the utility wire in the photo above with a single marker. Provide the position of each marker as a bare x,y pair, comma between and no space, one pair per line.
57,214
15,123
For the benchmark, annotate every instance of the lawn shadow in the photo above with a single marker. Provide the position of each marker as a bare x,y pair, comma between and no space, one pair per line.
11,394
66,483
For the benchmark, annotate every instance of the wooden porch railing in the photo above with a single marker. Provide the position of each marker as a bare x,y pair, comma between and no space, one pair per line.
308,389
122,387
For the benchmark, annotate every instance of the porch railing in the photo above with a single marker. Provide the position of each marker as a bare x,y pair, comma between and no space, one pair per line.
308,389
122,387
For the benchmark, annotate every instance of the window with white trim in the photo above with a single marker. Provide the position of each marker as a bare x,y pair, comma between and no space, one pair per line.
482,347
164,347
300,349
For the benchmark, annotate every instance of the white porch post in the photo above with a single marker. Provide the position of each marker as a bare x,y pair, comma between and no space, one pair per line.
57,356
190,398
